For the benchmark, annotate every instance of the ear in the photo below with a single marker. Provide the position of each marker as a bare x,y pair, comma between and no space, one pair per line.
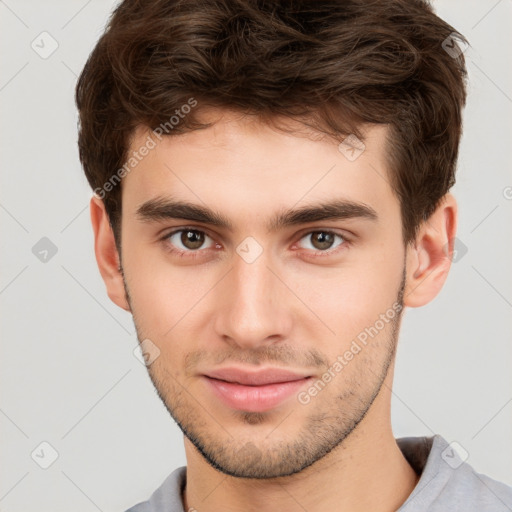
107,255
429,257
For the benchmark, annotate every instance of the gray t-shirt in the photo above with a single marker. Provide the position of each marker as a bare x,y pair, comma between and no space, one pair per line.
446,483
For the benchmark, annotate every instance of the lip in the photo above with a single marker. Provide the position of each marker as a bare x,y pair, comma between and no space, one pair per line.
254,391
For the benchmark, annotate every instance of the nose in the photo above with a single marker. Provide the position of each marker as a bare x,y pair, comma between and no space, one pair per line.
253,306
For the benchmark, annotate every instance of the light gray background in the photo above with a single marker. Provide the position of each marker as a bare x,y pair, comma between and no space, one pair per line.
68,373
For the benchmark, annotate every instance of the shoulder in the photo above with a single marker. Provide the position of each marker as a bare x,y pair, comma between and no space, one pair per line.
471,491
167,497
448,482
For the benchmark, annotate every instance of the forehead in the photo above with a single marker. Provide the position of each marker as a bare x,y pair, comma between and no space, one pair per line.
248,168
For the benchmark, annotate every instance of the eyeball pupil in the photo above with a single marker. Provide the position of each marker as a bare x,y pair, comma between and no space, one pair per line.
322,240
192,239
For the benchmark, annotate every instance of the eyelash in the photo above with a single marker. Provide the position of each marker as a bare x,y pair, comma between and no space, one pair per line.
197,253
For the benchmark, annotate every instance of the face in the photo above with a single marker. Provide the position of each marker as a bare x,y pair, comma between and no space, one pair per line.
265,271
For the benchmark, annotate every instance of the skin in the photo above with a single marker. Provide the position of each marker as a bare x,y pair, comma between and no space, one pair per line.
296,307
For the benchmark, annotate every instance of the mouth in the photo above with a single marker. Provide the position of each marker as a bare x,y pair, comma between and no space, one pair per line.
254,391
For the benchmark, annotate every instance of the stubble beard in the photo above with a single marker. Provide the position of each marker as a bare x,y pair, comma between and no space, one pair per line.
330,423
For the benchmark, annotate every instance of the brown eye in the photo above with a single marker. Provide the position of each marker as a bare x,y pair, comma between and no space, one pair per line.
188,240
192,239
321,241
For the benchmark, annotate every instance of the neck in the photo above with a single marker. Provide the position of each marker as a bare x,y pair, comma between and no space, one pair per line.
367,471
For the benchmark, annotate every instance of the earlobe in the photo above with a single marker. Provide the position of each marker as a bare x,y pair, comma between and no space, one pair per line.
107,255
429,257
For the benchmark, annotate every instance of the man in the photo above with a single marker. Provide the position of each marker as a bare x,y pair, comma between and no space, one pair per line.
271,187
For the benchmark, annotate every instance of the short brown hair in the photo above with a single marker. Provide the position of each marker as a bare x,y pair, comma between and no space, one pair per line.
333,64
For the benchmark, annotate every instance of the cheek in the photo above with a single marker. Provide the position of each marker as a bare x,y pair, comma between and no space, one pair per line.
351,298
169,301
163,296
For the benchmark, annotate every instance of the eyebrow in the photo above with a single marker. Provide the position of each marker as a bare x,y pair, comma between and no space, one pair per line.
159,209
